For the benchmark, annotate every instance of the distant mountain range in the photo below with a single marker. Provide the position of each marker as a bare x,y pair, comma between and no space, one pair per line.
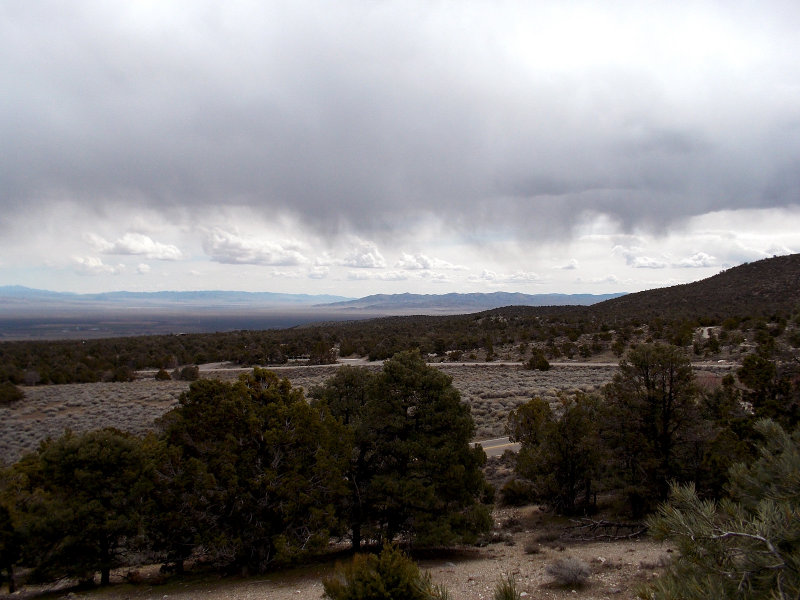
17,296
466,302
766,287
27,313
205,298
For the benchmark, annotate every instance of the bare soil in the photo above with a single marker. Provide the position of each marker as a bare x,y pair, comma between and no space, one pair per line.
524,542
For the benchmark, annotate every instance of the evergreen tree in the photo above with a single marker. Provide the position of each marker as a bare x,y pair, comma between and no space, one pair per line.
560,453
747,546
651,415
412,469
772,390
10,547
258,468
80,499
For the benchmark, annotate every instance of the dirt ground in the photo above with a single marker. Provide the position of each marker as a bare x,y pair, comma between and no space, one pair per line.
523,544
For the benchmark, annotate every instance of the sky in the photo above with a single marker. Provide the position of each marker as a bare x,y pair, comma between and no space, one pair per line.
361,147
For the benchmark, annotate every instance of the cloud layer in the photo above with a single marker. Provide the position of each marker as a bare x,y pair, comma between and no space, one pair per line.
365,123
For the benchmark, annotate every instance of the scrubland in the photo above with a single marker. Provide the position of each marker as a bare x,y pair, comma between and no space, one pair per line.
491,390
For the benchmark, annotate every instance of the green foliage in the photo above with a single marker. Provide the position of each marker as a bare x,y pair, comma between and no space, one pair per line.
516,492
187,373
559,454
10,393
391,575
651,417
747,546
538,361
412,470
10,547
123,373
506,589
773,391
80,501
251,470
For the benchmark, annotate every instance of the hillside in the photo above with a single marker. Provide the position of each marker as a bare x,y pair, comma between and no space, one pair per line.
759,288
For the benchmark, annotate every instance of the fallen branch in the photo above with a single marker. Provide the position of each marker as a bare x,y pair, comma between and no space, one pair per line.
590,530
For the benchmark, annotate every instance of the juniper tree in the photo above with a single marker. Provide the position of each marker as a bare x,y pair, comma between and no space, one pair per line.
80,501
412,469
263,470
560,451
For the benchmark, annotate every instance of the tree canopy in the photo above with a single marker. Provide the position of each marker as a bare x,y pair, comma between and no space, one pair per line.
267,466
746,546
412,469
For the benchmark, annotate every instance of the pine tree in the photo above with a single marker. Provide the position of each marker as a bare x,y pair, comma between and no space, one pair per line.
651,415
747,546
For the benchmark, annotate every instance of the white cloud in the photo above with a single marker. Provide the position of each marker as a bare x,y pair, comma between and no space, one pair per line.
519,277
230,248
392,276
435,277
634,259
286,274
416,262
143,269
697,260
136,244
778,250
364,256
92,265
318,272
359,276
607,279
523,277
486,275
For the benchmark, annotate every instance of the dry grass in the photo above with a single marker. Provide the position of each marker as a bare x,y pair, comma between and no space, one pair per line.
492,391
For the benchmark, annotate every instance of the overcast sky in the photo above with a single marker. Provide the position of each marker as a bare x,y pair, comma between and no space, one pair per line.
377,146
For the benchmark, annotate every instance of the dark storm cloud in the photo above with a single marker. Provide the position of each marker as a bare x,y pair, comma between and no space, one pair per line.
353,116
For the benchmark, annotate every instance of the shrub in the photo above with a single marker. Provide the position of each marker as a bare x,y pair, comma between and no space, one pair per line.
9,393
507,589
123,373
187,373
391,575
538,361
517,493
569,571
163,375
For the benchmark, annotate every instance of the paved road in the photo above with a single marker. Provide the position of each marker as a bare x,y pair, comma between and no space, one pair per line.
497,446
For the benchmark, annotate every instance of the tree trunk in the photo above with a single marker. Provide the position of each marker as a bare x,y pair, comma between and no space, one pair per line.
11,587
356,537
105,575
